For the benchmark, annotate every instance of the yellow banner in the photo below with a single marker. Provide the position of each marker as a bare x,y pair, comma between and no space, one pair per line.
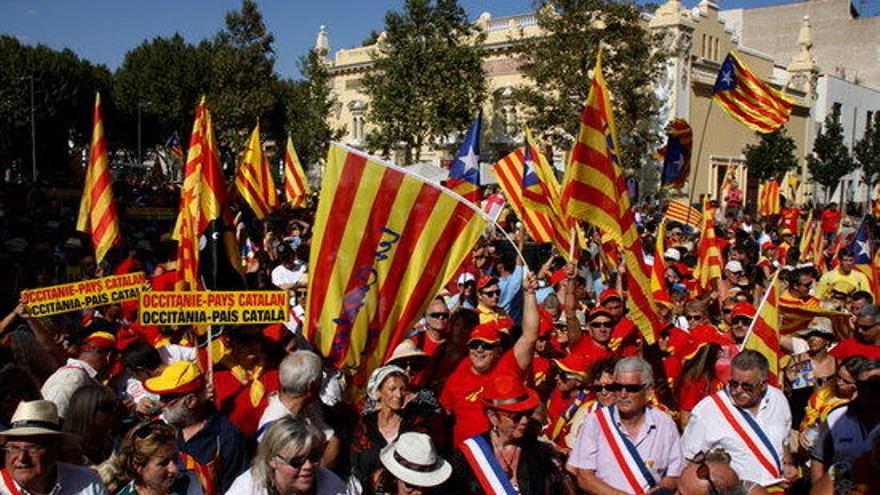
84,294
213,308
150,212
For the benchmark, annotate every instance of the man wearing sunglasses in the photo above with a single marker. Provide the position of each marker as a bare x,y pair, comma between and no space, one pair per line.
600,324
461,393
630,447
749,419
866,338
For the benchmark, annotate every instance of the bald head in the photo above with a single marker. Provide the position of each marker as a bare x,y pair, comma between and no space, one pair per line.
723,476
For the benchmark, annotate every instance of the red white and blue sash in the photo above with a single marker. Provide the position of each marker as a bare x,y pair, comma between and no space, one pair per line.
750,432
486,467
8,484
628,458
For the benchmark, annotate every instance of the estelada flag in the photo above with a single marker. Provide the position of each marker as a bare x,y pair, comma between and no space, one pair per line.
464,172
97,210
748,99
763,334
595,191
254,179
676,154
385,242
541,226
296,185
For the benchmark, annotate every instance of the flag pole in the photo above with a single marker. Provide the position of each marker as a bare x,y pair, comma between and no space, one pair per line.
699,153
758,311
210,353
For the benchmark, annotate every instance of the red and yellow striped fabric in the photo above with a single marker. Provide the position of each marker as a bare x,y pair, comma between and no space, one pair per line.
385,243
679,211
658,270
97,210
541,226
768,198
709,262
595,191
763,335
254,179
296,185
748,99
796,314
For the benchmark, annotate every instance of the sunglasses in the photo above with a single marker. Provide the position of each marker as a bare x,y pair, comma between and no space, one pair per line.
469,283
297,462
479,344
703,472
516,417
741,321
630,388
746,386
491,293
602,324
145,430
439,316
727,311
596,389
694,317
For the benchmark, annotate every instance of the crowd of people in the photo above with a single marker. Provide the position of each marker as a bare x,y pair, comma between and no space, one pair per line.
516,379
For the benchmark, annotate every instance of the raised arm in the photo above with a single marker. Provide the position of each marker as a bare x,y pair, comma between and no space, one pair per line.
525,345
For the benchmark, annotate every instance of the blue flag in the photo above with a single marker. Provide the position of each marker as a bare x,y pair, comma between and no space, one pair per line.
466,165
861,245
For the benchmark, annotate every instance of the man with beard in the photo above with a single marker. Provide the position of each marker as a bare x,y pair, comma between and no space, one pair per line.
32,446
630,446
209,444
749,419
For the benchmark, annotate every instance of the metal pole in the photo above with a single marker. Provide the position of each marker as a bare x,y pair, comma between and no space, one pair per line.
140,161
33,133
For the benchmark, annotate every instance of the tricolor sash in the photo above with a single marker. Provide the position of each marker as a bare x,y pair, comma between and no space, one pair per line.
7,483
485,466
567,415
628,458
750,432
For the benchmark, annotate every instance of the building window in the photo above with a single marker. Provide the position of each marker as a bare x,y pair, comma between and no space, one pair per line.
715,52
703,46
836,108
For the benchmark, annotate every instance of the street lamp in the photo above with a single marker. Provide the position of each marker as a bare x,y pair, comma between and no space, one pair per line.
33,129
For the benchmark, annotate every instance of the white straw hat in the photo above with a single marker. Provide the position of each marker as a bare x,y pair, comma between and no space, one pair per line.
412,459
36,417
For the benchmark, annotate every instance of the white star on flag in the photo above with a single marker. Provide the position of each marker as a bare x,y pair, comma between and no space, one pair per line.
470,160
727,77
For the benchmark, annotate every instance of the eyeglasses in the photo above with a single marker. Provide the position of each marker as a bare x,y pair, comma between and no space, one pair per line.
169,399
596,389
479,344
516,417
439,316
491,293
727,311
746,386
145,430
469,283
631,388
741,321
297,462
601,324
703,472
29,449
694,317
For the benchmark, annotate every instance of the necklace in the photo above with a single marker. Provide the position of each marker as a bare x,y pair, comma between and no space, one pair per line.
508,462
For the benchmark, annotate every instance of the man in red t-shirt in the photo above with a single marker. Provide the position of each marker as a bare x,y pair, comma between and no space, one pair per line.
829,220
462,392
789,216
866,341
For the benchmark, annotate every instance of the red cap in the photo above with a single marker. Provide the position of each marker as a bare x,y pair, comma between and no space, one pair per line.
489,332
99,340
275,333
577,364
767,245
557,276
486,281
743,309
609,294
599,311
507,393
545,323
681,269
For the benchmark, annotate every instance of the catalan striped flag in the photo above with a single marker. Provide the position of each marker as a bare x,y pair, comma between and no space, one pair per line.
676,154
748,99
385,242
806,241
535,192
796,314
763,334
658,270
679,211
595,191
768,198
210,265
464,172
254,179
542,227
97,210
296,185
709,262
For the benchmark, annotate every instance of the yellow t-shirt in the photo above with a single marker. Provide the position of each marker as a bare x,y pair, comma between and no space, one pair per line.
855,278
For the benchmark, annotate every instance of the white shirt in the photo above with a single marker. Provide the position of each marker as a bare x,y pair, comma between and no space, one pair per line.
281,275
707,430
326,483
276,410
66,380
71,480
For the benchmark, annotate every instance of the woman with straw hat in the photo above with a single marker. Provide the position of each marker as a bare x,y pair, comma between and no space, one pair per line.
412,466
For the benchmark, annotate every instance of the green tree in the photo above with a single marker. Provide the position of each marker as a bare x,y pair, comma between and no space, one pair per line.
559,69
243,80
867,153
164,77
427,80
831,159
772,156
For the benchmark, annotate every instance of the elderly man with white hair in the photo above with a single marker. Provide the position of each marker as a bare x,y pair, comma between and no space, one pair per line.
299,377
629,447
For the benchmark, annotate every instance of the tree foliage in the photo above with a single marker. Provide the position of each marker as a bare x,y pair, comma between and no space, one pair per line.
772,156
427,81
831,159
559,67
867,152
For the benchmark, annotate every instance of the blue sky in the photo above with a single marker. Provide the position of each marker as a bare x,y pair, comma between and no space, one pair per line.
104,30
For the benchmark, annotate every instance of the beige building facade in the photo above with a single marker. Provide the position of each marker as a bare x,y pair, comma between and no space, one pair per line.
698,39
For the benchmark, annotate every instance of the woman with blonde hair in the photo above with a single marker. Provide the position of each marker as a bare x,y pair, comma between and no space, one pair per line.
288,463
147,464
